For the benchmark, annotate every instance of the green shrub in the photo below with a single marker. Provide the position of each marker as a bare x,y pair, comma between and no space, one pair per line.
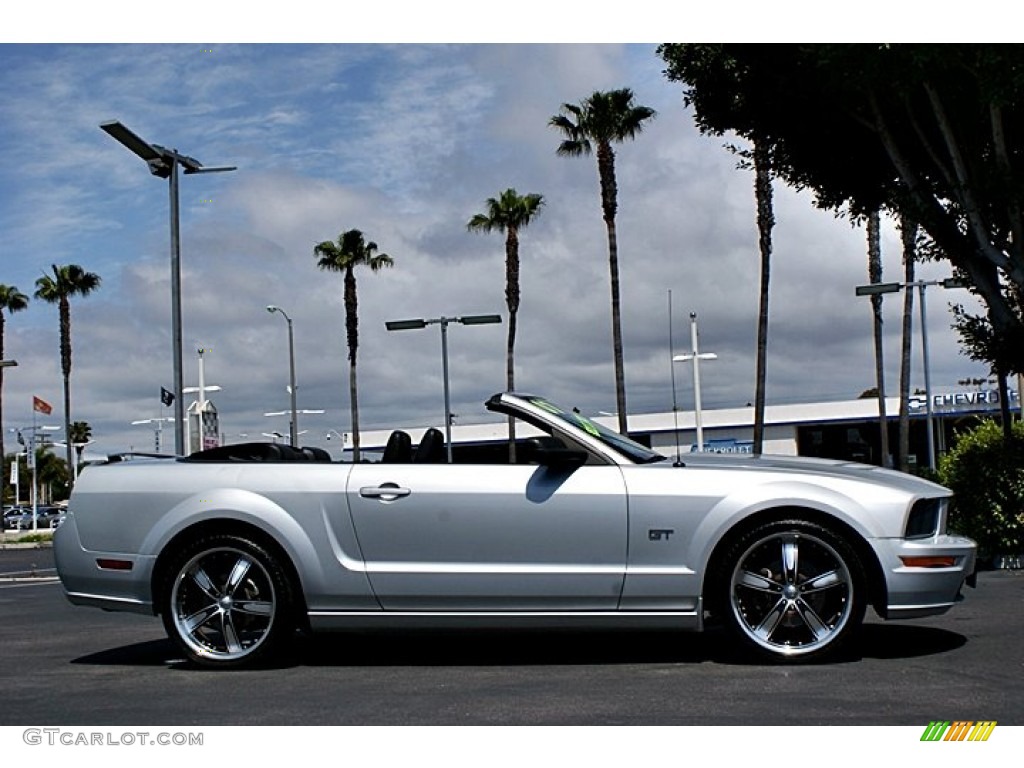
987,475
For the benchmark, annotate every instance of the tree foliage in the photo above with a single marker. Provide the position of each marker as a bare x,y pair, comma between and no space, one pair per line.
986,473
67,280
602,119
929,131
351,251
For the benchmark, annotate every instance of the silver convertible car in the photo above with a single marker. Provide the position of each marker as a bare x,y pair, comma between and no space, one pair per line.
239,547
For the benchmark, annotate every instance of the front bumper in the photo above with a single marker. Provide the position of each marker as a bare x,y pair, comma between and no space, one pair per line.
914,590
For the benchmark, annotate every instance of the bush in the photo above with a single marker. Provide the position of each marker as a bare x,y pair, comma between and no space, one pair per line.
987,475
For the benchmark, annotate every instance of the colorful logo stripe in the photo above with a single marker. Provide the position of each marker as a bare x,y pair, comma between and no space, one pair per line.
959,730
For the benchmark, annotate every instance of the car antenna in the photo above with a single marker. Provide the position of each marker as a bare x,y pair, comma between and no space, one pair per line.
672,368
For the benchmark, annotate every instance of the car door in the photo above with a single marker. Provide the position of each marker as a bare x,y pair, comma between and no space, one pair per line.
449,537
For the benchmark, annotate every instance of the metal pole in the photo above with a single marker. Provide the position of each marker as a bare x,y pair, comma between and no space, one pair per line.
35,475
696,383
179,408
447,396
291,374
927,380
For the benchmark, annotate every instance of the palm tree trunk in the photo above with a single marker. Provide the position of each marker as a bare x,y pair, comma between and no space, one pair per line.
875,276
908,232
65,364
609,205
354,399
512,302
352,331
510,383
765,222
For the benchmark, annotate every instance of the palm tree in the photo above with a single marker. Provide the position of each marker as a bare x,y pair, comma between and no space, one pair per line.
509,213
875,276
349,252
13,301
67,281
593,125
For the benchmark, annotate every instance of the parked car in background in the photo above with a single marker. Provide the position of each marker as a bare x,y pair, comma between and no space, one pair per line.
239,546
11,517
46,517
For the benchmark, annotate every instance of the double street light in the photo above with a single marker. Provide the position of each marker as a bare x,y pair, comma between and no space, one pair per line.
164,163
411,325
875,289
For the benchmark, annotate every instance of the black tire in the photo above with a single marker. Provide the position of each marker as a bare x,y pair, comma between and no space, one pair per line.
228,602
792,591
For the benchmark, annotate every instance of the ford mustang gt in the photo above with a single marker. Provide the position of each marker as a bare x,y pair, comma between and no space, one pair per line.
239,547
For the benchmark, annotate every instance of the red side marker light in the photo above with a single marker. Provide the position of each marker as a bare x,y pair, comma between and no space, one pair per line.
111,564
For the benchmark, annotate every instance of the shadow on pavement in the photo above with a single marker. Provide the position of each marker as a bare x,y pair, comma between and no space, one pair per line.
444,648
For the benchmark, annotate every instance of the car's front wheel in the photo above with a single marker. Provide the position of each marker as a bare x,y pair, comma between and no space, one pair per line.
795,591
229,602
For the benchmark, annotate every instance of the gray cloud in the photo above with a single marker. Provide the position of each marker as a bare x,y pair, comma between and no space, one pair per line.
405,143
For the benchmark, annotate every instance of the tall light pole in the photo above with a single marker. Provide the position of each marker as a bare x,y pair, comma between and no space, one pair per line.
696,356
164,163
877,288
408,325
293,432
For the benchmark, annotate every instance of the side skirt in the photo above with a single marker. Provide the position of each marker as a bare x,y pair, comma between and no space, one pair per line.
340,620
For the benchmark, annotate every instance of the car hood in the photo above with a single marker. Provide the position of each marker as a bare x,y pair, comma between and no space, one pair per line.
823,468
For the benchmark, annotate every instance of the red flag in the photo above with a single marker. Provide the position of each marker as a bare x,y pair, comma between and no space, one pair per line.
41,406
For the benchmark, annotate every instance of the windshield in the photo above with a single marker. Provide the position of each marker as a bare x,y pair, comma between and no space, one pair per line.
620,443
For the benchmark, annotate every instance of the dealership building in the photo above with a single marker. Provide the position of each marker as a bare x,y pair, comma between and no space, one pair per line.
847,429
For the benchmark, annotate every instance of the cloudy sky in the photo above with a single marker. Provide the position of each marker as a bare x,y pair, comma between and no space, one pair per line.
404,142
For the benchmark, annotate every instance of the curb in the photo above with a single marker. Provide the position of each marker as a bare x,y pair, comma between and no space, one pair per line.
15,544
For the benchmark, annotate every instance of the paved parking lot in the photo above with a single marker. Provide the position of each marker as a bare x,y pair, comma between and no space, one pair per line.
79,666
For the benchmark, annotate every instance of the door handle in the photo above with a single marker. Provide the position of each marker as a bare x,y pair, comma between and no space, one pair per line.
384,492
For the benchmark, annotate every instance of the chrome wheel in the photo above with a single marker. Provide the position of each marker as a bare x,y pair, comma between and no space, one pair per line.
227,603
794,591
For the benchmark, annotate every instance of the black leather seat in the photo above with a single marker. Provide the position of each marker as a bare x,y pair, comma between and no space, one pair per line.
399,448
431,448
313,453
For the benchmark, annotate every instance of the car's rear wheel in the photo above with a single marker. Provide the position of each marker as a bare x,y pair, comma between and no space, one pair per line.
228,603
795,591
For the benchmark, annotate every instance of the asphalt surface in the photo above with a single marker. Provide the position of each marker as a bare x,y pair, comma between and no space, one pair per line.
71,666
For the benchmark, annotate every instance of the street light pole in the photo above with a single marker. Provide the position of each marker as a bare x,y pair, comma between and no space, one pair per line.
293,432
407,325
696,356
877,288
164,163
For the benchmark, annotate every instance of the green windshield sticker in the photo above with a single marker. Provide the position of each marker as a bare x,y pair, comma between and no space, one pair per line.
550,408
589,427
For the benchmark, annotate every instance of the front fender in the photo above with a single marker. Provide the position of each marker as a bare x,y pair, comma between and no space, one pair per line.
745,503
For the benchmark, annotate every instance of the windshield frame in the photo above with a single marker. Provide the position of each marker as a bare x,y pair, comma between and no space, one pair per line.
572,422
